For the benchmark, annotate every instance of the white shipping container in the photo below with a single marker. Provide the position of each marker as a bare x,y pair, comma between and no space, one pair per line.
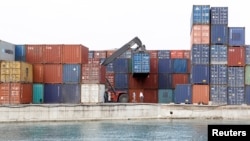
7,51
92,93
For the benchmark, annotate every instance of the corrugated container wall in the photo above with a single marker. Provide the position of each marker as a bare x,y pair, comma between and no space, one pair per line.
34,53
38,73
7,51
165,96
165,65
200,94
183,93
72,73
200,74
91,54
92,93
180,78
219,34
150,95
75,54
247,56
111,78
218,94
20,53
236,76
218,74
141,62
180,66
218,54
16,71
236,56
52,53
154,65
219,15
121,80
38,93
177,54
100,54
110,52
93,74
200,54
236,95
247,75
53,73
121,65
247,94
126,54
200,14
236,36
165,81
71,93
153,53
52,93
149,82
163,54
200,34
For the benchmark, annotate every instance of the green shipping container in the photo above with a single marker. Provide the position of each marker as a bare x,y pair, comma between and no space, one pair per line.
38,93
247,75
165,96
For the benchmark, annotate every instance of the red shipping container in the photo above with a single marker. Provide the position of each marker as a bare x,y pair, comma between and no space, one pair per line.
176,54
52,54
111,78
134,83
136,98
200,94
38,73
153,65
187,54
179,78
150,82
236,56
94,61
93,74
75,54
100,54
110,52
53,73
150,95
200,34
16,93
34,53
153,53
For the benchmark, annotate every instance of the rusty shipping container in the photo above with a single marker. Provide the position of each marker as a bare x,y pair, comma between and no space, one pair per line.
74,54
38,73
16,71
150,95
153,65
53,73
34,53
93,74
200,94
52,53
16,93
179,78
200,34
149,82
153,53
236,56
100,54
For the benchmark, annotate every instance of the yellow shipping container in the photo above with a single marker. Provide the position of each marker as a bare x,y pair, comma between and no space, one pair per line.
16,71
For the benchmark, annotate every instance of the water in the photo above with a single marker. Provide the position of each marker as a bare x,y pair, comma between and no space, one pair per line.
111,130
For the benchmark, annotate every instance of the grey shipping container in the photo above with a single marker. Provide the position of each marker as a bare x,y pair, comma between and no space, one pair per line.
183,93
236,76
200,54
71,93
200,74
218,74
247,56
7,51
236,95
219,15
236,36
218,54
219,34
218,94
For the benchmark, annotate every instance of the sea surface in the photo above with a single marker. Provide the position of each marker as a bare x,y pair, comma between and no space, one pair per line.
111,130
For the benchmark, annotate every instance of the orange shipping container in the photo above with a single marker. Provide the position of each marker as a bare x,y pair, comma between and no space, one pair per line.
34,53
236,56
75,54
52,53
53,73
38,72
179,78
200,94
200,34
176,54
150,95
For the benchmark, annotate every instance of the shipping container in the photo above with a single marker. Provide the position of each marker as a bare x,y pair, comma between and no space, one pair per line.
111,78
165,81
163,54
16,71
218,94
200,34
180,66
236,96
150,95
20,53
53,73
200,54
165,65
153,65
200,14
153,53
121,65
52,93
93,74
95,61
34,53
100,54
218,54
38,73
236,76
247,54
72,73
75,54
200,94
247,75
110,52
165,96
121,80
91,54
247,94
183,94
7,51
200,74
219,34
71,93
151,81
218,74
52,53
187,54
92,93
236,56
219,15
38,93
141,62
180,78
236,36
126,54
15,93
177,54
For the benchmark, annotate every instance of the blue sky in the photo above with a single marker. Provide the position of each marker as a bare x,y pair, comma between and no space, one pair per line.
108,24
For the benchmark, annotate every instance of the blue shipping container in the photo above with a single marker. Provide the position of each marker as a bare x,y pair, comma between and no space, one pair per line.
236,95
126,54
165,81
200,74
183,94
141,62
247,94
218,74
20,53
121,65
236,36
121,81
165,95
218,54
236,77
163,54
200,54
219,34
71,93
180,66
165,65
218,94
53,93
38,93
247,54
71,73
219,15
200,14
